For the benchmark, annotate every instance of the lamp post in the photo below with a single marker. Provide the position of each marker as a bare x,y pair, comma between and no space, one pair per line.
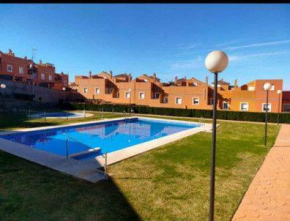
215,62
266,88
279,93
3,86
64,89
129,91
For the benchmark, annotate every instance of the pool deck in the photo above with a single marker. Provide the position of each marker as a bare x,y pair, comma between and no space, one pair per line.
88,170
268,197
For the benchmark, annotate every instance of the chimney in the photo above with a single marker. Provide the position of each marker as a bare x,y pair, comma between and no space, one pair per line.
154,76
90,74
175,80
40,61
130,77
236,83
25,57
111,74
206,80
10,52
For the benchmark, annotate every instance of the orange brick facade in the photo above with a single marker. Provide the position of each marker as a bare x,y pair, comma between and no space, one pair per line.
27,71
181,93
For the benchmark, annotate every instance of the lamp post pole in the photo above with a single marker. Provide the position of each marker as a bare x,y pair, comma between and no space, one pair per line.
278,117
266,117
129,101
3,86
266,88
213,150
215,62
64,89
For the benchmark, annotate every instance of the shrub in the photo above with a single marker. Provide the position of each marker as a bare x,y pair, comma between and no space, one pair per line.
28,97
225,115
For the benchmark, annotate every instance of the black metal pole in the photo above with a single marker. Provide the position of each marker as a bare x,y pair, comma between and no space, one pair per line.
130,104
266,116
3,101
213,151
279,110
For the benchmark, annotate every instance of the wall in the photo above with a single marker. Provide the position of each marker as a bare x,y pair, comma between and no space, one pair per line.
48,95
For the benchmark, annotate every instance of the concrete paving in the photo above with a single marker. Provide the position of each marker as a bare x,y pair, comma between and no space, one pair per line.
268,197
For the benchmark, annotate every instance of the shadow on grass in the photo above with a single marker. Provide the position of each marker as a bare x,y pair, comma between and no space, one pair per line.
33,192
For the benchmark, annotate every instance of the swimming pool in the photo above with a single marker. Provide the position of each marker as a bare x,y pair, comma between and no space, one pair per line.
60,115
107,136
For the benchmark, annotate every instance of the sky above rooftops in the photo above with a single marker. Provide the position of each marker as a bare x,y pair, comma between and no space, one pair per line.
170,40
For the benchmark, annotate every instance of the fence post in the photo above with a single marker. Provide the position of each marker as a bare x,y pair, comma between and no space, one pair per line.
66,147
105,166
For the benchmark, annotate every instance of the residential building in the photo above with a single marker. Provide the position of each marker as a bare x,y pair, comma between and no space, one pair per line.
180,93
27,71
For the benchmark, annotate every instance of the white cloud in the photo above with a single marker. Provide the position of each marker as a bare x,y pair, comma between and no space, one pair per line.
191,46
257,55
259,45
187,64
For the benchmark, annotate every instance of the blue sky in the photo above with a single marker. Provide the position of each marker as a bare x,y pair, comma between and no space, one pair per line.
170,40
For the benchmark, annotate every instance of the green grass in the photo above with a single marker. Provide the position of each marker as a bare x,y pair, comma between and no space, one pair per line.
168,183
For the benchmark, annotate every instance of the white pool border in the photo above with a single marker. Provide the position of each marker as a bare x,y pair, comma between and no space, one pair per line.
87,169
77,115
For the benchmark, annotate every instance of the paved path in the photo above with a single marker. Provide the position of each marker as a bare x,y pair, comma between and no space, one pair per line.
268,197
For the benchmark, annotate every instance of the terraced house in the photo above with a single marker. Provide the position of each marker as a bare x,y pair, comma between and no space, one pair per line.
27,71
181,93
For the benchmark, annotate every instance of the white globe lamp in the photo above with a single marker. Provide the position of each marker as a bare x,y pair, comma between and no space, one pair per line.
216,61
267,86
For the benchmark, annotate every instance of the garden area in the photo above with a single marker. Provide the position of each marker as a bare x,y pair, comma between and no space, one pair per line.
168,183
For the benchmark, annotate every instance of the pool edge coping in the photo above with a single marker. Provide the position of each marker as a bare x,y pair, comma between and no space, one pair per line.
77,168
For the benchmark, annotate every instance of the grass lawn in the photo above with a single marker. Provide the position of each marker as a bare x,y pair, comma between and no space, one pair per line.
168,183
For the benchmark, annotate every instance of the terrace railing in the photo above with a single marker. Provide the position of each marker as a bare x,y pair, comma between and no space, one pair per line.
90,150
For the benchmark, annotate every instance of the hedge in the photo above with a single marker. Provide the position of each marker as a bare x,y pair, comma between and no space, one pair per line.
225,115
28,97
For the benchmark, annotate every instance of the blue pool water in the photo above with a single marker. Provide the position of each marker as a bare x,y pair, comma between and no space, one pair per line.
109,136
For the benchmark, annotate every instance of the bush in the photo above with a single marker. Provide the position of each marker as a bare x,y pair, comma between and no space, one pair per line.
225,115
28,97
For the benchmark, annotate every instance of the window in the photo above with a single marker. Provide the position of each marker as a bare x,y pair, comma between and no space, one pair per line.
127,95
264,107
141,95
195,101
286,108
42,76
65,83
225,105
9,68
50,77
118,95
272,87
21,70
194,84
178,100
244,106
211,101
97,90
165,100
85,90
156,95
251,88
